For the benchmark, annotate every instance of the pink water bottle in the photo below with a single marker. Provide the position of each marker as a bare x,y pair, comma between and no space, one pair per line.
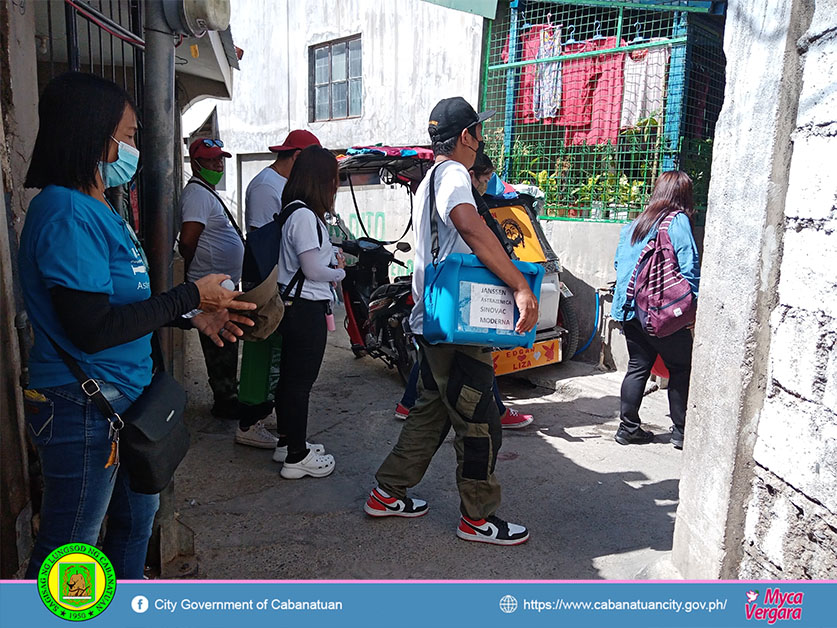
330,319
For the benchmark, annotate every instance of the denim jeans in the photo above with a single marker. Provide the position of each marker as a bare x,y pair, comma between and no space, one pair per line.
73,443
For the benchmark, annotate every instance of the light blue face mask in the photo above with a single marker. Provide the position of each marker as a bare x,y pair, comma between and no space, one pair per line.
123,169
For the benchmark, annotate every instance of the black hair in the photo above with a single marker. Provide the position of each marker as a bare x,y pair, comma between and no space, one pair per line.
482,165
445,147
312,180
77,115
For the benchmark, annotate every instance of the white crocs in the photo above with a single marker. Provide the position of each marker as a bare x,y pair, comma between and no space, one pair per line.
280,453
314,464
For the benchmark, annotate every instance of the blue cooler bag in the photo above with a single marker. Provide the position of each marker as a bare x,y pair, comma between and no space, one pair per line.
467,304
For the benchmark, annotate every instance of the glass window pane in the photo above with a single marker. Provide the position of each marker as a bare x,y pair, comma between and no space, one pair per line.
355,59
321,65
355,97
338,62
321,103
338,100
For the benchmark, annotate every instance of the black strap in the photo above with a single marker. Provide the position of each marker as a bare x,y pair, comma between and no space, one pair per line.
89,386
485,211
299,277
360,220
226,211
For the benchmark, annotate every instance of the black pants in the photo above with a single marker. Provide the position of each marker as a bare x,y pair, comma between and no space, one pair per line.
303,330
676,351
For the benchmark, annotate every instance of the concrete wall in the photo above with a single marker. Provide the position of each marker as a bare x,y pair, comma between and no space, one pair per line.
792,509
758,494
414,54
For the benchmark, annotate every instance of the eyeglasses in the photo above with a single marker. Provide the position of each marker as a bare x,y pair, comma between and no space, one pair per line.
211,143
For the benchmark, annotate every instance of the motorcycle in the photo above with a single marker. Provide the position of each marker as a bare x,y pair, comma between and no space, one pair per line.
375,307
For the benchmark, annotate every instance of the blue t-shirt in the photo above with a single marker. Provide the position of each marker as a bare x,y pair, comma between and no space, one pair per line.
72,240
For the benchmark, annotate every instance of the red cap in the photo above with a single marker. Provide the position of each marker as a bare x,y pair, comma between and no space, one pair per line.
199,150
297,140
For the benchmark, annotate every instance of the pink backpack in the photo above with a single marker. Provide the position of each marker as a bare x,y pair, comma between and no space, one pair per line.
662,298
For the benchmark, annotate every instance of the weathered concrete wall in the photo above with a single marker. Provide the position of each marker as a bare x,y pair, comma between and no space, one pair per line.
792,511
414,54
760,440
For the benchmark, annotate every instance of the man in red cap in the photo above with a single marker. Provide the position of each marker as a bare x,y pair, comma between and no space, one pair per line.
264,194
211,242
262,200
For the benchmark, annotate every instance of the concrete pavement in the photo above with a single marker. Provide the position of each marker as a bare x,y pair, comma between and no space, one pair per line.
595,509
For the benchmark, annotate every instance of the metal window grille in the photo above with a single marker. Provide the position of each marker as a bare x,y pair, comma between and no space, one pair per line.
90,36
336,79
596,98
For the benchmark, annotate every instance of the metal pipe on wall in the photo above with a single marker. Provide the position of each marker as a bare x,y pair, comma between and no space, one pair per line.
158,147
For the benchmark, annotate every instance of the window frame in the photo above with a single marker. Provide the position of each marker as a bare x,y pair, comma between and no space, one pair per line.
313,85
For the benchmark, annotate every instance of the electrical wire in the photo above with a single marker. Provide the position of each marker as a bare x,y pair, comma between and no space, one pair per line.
593,335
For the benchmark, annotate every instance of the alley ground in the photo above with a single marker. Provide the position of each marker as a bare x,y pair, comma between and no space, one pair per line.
595,509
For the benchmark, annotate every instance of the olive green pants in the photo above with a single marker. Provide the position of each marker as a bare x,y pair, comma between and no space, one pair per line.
455,389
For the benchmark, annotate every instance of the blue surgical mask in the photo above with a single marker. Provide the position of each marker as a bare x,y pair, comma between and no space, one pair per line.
123,169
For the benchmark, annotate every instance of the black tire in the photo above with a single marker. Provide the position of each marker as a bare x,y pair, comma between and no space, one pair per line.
568,320
405,353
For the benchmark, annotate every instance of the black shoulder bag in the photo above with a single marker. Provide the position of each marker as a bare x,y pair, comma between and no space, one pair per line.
150,437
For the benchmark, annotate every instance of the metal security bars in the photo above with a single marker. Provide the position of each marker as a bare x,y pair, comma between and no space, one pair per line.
595,99
102,37
336,80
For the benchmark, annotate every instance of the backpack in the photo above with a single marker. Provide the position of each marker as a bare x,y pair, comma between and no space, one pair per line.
261,250
659,294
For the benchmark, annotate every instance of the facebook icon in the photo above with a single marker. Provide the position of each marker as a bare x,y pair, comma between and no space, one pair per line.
139,604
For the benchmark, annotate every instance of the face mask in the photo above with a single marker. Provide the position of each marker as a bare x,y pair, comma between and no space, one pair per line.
212,177
480,145
123,169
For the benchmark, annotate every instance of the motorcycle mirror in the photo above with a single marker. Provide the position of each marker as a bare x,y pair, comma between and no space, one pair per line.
404,247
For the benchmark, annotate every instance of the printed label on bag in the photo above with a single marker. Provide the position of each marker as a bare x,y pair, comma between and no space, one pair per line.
492,307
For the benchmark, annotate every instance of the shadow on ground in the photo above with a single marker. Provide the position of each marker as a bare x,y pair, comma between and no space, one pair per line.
595,509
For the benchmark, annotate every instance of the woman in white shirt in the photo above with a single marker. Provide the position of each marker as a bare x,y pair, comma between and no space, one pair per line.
305,275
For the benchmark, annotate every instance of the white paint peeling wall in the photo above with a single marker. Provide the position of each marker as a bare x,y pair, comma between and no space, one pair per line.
414,54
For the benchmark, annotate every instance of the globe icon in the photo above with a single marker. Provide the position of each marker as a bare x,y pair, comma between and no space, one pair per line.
508,604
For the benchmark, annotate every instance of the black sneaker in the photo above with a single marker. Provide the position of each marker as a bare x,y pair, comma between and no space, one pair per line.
491,530
637,437
677,438
381,504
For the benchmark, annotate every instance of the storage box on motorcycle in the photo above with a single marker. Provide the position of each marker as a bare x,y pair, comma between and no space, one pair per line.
465,303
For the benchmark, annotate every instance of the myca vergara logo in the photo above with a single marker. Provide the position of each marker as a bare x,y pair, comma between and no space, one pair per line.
76,582
777,606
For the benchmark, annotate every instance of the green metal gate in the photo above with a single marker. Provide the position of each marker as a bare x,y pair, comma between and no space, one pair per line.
596,98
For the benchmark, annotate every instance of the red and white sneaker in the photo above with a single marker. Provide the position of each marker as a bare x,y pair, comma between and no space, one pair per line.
512,419
491,530
402,412
380,504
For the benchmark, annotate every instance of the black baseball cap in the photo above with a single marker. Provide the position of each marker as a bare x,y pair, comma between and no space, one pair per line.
450,116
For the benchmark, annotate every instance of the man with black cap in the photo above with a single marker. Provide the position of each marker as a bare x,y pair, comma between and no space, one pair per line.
211,242
264,194
455,385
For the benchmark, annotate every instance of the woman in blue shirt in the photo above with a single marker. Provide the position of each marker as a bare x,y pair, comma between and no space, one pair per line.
85,283
672,193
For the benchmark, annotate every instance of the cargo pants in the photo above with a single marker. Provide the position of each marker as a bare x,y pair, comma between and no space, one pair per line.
455,390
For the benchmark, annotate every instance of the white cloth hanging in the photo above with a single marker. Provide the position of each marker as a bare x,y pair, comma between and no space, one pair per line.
645,83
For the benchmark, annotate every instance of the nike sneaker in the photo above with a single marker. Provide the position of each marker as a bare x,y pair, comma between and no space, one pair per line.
491,530
380,504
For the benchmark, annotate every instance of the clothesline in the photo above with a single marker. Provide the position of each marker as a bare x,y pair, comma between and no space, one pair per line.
596,53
